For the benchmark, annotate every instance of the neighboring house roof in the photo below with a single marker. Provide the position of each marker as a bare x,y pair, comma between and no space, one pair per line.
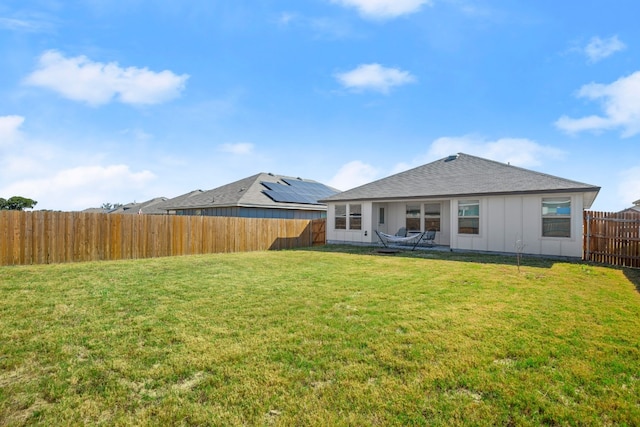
179,201
263,190
150,207
94,210
463,175
633,209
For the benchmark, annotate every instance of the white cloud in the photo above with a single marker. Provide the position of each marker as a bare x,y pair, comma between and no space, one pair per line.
240,148
15,24
10,129
331,29
59,178
96,83
285,18
516,151
598,49
629,186
81,187
353,174
322,27
384,9
621,104
374,77
137,134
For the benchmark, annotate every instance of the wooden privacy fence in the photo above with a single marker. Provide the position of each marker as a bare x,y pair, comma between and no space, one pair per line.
55,237
612,238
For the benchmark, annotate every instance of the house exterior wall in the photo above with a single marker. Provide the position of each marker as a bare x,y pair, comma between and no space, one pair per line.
361,236
503,221
249,212
444,236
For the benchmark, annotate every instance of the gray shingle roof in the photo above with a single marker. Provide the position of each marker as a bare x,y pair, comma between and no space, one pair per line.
460,176
179,200
247,192
150,207
633,209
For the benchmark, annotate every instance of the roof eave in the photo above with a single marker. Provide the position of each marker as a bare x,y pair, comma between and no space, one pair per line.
593,190
318,207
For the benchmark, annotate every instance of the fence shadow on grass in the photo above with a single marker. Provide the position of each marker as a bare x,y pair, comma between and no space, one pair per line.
633,274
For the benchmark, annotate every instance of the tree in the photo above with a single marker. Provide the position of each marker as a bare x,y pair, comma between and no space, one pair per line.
109,206
16,203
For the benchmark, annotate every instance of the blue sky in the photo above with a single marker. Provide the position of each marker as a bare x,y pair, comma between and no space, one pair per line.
126,100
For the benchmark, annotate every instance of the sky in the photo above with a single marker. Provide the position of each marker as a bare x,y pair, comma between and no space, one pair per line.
119,101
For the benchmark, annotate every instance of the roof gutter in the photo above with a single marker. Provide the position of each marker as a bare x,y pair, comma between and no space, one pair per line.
595,190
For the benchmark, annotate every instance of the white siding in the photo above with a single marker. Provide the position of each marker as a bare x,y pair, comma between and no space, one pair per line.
444,236
397,217
350,236
503,221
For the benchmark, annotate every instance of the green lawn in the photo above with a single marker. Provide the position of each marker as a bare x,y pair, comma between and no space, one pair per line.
331,336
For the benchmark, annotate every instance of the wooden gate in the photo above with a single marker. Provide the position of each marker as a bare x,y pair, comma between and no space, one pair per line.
319,231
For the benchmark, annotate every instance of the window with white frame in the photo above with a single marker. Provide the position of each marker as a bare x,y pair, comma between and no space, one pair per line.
340,217
432,216
469,217
413,218
355,217
556,217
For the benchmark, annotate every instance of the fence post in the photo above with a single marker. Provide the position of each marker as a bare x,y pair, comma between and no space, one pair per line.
588,254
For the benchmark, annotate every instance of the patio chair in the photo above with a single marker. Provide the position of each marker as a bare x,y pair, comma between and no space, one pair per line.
429,237
402,232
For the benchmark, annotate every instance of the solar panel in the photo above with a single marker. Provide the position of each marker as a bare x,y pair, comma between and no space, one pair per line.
282,197
297,191
270,185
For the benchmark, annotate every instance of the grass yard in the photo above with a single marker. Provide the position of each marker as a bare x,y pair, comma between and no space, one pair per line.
330,337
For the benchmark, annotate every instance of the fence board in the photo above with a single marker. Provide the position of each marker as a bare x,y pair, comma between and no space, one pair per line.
612,238
44,237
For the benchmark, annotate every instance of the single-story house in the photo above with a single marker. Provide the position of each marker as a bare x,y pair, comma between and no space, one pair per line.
635,209
150,207
472,203
263,195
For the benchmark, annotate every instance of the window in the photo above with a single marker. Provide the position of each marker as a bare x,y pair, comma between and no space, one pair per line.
556,217
381,216
432,216
469,216
355,217
341,217
413,218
